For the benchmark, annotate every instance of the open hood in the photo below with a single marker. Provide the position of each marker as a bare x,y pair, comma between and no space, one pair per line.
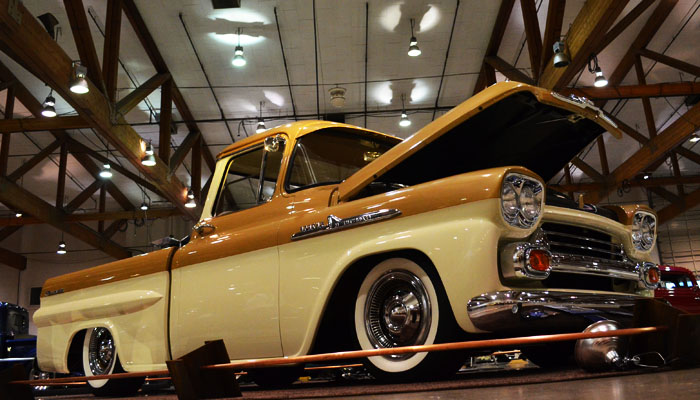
508,124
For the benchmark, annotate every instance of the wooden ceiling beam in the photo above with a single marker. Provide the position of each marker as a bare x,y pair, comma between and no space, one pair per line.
635,182
667,89
673,210
137,22
20,199
588,170
83,41
13,260
8,231
603,155
5,141
137,95
552,30
30,42
658,16
499,29
671,62
61,181
42,124
584,36
83,196
166,118
532,35
508,70
110,54
625,22
34,161
661,192
100,216
181,152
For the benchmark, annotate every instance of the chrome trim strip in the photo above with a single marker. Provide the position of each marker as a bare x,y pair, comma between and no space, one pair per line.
518,309
335,224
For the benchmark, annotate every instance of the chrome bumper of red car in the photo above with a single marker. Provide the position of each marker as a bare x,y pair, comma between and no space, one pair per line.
546,309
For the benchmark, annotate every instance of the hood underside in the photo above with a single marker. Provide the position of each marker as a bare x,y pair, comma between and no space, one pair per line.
518,130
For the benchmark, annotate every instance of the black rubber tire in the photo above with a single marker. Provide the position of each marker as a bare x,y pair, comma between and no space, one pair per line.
113,387
276,377
433,365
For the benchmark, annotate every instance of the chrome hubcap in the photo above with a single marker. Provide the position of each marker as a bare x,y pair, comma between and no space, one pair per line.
397,311
101,351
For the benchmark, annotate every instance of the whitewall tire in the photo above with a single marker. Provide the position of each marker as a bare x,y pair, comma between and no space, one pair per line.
100,358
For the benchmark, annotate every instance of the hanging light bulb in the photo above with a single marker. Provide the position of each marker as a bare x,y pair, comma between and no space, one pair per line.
413,49
106,171
18,214
695,138
47,108
190,199
238,57
261,123
594,68
144,206
61,247
190,194
149,159
78,83
404,122
561,59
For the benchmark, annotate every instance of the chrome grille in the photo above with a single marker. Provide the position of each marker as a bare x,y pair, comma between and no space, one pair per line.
582,242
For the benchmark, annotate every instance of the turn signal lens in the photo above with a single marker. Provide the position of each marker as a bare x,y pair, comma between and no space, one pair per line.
653,276
539,260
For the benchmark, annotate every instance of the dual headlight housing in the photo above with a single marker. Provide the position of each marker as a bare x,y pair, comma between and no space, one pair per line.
522,199
643,230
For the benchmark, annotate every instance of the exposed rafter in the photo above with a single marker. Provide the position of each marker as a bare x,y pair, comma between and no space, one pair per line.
668,89
83,40
110,58
42,124
552,30
45,58
635,182
13,260
508,70
532,34
671,211
499,29
104,216
137,95
671,62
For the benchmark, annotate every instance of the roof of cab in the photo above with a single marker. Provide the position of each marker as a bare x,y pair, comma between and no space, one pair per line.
293,131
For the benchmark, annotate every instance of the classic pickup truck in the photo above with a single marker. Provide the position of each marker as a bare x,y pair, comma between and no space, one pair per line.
679,287
318,236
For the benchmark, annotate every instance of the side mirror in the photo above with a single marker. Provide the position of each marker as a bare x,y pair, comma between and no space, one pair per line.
272,143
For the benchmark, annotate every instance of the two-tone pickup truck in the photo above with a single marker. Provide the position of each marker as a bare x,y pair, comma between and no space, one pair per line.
318,236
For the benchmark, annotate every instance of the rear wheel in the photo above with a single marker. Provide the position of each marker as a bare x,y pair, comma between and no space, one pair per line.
400,304
100,358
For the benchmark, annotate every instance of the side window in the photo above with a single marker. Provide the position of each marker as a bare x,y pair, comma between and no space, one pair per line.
244,185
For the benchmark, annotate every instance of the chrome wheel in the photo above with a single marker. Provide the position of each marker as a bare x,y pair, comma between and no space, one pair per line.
101,352
397,311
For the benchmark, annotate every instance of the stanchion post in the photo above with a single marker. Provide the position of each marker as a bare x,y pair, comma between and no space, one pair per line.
193,383
14,392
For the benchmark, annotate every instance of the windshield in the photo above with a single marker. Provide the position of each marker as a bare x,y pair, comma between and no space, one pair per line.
329,156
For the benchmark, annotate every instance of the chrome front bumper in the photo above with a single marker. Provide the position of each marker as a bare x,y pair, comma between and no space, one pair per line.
546,309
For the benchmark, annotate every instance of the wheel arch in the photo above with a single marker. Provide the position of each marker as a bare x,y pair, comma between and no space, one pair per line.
329,337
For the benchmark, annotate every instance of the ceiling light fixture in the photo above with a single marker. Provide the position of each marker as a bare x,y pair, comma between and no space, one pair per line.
18,214
561,59
404,122
144,206
106,171
337,96
78,82
261,123
61,246
47,108
149,159
238,57
695,138
413,49
190,199
594,68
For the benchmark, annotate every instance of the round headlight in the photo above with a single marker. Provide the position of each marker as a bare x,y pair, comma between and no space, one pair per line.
643,231
509,201
528,206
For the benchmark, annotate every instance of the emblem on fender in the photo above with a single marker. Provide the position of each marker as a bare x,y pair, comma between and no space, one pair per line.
334,223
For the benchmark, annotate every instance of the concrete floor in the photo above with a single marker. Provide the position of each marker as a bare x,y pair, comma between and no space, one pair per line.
514,385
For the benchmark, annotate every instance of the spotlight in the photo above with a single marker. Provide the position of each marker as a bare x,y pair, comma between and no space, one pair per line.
78,83
404,117
48,109
149,159
646,176
413,49
261,126
404,120
106,171
144,206
190,194
18,214
238,57
61,247
337,96
561,59
694,139
594,68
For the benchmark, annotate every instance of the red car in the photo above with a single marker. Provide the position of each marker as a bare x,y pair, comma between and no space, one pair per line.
679,287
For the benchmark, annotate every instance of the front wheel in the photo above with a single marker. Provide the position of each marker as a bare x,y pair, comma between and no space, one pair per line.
399,304
100,358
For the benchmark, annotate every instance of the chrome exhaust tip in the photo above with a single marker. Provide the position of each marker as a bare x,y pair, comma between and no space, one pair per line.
600,354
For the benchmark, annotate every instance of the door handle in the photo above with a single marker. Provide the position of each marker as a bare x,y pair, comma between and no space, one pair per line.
204,228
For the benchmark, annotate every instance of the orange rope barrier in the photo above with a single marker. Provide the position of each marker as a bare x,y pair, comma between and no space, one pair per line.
477,344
